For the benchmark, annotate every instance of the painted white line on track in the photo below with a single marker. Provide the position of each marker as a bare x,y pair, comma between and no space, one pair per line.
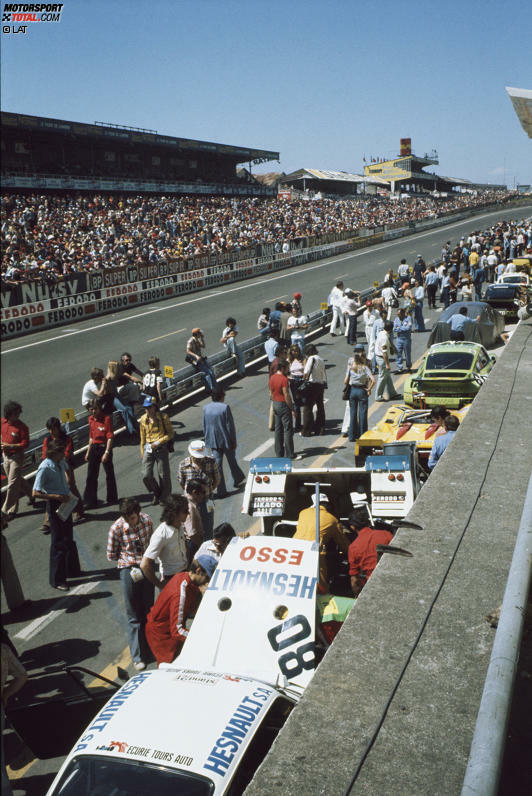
250,284
259,450
169,334
62,606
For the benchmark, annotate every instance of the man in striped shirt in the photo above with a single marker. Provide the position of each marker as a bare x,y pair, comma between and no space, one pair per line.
127,541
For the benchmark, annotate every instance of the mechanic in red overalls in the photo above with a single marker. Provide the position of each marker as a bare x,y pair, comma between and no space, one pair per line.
166,630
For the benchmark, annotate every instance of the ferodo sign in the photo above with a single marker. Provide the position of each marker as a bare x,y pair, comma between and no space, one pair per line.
128,286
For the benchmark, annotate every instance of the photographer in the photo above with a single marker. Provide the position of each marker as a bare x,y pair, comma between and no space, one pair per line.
196,356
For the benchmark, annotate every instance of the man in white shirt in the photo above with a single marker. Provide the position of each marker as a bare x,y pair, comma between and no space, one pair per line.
382,352
168,543
369,316
314,373
336,300
403,271
296,328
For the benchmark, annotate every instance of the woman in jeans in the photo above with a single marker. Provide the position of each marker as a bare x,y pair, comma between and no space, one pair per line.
360,379
297,366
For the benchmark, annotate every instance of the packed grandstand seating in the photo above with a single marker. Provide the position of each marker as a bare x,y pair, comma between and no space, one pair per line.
49,236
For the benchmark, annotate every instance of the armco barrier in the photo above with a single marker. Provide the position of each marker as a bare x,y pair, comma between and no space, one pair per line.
186,383
130,286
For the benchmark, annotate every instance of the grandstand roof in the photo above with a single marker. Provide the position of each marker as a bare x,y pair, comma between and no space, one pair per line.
335,176
128,134
522,102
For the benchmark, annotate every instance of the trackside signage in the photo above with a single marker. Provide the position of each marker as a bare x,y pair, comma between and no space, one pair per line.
99,293
257,616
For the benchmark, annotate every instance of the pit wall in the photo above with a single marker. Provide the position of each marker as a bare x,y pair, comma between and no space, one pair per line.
393,705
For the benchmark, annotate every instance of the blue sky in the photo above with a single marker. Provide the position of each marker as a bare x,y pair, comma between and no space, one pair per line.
323,83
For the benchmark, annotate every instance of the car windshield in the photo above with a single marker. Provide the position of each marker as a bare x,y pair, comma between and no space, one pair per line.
101,776
449,360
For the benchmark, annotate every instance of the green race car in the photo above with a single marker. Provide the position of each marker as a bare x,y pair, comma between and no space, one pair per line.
450,374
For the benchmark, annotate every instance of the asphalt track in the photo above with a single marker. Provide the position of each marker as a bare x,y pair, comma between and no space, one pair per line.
46,371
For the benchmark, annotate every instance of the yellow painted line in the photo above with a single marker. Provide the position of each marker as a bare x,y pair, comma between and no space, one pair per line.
153,339
123,660
17,773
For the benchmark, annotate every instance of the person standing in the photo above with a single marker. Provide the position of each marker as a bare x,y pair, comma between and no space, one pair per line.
200,464
382,355
445,293
402,327
431,283
295,379
100,451
283,410
196,493
167,543
156,433
336,298
369,316
52,483
15,440
478,279
152,382
314,373
351,306
220,436
228,338
361,382
127,542
56,431
166,626
419,295
196,356
296,326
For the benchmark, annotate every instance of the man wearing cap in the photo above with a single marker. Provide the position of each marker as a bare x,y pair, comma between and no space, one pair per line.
196,356
201,465
155,433
330,531
166,626
220,436
296,302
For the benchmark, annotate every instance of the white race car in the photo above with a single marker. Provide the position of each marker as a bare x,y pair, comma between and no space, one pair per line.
203,724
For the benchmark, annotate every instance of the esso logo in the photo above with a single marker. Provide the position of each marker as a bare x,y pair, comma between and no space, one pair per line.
264,554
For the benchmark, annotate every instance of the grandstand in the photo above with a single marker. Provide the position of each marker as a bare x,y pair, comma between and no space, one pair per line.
39,152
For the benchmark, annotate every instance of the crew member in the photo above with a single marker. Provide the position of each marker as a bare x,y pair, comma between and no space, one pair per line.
362,553
330,531
166,627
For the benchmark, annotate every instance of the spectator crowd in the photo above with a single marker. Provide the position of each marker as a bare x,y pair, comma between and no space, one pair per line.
48,237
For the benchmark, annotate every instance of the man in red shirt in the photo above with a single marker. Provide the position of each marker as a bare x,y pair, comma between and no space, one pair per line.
362,553
15,440
283,411
100,450
166,629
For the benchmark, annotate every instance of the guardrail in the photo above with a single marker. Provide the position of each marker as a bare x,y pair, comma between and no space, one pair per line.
186,383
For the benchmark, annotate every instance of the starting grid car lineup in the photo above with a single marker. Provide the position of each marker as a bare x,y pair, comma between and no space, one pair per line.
450,374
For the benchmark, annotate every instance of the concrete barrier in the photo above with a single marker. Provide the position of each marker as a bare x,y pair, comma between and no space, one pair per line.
393,705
